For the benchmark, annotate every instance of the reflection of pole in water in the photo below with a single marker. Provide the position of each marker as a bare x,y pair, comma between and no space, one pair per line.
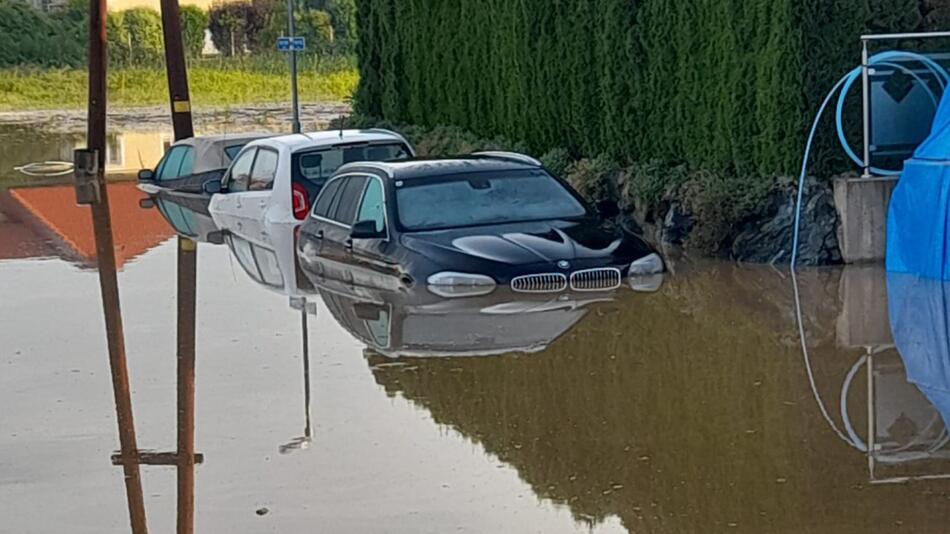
92,190
187,289
304,441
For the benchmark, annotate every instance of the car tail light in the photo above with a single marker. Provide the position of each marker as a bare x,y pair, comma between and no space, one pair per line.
301,205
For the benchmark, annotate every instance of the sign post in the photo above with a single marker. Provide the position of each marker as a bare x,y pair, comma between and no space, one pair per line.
292,44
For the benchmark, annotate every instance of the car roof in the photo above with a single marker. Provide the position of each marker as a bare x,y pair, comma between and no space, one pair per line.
302,141
209,149
408,169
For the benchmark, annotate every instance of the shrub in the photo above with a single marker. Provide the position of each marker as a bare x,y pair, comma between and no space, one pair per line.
30,37
595,179
728,86
144,27
557,161
194,22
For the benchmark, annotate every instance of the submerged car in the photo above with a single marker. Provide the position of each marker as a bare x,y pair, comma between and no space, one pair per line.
275,179
464,226
191,163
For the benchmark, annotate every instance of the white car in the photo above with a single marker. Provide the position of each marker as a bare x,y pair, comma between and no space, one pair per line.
275,180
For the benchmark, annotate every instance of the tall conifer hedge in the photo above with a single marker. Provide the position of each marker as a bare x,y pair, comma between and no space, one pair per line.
724,85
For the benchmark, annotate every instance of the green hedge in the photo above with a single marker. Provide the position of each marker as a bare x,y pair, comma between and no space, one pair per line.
724,85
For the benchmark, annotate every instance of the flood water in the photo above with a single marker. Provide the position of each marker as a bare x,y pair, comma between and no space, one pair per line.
694,408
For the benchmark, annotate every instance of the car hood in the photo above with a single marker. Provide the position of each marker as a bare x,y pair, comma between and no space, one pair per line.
525,243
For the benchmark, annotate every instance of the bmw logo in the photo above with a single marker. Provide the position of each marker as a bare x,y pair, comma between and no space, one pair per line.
563,264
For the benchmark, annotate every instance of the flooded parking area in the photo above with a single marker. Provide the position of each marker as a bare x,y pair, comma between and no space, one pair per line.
722,398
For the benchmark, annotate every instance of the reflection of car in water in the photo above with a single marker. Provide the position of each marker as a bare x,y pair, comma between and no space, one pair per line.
462,226
416,323
187,214
192,162
267,254
275,179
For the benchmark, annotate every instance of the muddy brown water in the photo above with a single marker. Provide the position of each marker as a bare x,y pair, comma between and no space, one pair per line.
690,409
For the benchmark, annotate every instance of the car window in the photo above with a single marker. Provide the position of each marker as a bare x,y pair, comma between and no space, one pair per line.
233,150
379,329
484,198
240,172
345,210
325,198
269,268
187,163
178,159
318,165
242,251
265,168
371,206
180,219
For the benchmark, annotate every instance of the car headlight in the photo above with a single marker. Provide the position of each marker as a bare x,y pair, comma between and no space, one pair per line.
450,284
650,264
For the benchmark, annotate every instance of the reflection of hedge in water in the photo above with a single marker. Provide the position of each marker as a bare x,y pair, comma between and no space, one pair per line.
683,411
725,86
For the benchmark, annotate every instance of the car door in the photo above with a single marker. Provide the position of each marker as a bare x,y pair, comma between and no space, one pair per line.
249,183
336,242
373,265
234,184
312,242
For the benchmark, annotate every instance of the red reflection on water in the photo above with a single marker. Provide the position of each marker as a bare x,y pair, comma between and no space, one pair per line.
52,212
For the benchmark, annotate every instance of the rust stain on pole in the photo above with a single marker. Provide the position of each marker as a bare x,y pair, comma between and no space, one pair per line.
105,257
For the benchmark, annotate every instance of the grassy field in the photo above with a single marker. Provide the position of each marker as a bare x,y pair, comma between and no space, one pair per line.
211,84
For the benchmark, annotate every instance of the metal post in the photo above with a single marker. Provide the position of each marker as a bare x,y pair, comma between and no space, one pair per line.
307,431
866,107
187,290
187,277
295,121
105,259
176,70
872,442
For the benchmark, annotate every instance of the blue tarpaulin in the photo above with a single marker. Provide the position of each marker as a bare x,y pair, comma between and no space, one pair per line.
919,311
918,217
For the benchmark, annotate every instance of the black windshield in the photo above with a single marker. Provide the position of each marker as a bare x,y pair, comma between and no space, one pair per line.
484,198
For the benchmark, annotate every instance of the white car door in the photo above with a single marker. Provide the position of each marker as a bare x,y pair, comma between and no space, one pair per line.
248,195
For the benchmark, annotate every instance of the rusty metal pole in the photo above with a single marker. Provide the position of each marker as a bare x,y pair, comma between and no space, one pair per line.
187,292
176,70
187,276
94,185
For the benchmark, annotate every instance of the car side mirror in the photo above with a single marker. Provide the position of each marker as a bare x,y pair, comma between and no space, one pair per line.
216,237
366,230
212,187
608,209
146,175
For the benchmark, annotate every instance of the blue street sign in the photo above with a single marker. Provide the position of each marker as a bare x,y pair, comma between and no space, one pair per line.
286,44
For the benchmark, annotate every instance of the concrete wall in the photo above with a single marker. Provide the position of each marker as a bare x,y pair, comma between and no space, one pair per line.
862,214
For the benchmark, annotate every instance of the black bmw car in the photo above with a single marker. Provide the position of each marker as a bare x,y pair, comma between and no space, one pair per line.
464,226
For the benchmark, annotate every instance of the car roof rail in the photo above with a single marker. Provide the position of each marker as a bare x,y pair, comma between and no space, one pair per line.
378,165
510,156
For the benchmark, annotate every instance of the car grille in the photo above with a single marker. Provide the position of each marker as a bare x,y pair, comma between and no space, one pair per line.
601,279
539,283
